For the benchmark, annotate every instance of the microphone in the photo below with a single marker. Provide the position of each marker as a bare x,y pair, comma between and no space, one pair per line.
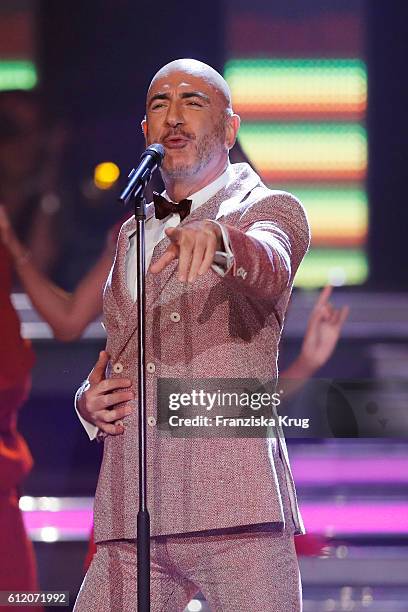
150,160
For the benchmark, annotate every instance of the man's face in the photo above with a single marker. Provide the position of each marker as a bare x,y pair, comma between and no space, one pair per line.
186,114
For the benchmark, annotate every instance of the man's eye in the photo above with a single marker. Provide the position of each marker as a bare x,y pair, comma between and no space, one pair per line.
158,105
193,103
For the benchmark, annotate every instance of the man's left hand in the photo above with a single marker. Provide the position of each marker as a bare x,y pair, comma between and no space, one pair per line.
194,245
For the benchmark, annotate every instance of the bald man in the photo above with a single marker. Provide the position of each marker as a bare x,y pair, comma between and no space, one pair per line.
220,272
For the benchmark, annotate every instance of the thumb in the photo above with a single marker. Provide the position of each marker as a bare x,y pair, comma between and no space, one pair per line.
98,371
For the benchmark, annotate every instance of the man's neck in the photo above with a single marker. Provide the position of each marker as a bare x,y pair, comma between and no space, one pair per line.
179,189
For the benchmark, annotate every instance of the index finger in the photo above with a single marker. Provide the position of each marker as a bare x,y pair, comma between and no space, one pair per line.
324,296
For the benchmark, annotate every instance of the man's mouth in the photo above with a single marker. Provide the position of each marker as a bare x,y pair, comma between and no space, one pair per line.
175,142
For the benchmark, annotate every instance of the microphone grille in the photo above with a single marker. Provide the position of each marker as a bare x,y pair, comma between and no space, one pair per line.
157,151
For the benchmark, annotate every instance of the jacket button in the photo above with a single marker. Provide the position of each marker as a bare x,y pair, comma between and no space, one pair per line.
118,368
175,317
150,367
151,421
242,273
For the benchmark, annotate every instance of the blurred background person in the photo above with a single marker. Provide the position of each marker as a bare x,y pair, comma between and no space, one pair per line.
30,156
17,561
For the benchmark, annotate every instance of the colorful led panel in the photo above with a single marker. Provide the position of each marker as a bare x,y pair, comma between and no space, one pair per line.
302,129
17,75
299,88
334,266
306,151
338,215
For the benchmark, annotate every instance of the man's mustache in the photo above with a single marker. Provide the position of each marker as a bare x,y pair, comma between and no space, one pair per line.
179,132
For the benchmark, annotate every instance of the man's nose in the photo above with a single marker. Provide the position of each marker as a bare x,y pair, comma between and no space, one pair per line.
174,115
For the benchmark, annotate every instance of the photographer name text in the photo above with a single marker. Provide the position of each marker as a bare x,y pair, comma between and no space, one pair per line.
250,421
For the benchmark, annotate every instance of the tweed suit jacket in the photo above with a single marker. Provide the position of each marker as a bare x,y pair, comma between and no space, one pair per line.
225,326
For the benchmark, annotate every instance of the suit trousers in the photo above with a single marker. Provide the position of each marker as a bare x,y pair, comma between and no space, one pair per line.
249,570
235,573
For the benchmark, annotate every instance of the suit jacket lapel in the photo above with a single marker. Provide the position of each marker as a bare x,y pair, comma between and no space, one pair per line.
126,309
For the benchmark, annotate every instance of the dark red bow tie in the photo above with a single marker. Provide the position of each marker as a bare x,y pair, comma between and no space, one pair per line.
163,208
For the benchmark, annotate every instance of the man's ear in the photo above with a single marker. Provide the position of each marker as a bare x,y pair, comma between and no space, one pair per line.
233,123
143,125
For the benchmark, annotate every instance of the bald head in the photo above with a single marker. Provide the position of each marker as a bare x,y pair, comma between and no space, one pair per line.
188,111
199,70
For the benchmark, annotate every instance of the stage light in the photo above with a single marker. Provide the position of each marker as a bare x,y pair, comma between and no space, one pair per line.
49,534
27,503
367,597
194,606
17,74
106,174
48,504
271,88
342,551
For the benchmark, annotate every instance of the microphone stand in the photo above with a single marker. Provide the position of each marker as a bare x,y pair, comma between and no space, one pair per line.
151,160
143,517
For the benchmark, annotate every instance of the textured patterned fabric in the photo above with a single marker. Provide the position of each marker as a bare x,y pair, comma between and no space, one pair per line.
245,573
226,326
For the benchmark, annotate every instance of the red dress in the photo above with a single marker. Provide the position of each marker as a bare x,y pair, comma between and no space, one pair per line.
17,562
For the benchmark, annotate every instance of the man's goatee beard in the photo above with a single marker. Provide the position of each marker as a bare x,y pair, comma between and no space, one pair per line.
181,171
